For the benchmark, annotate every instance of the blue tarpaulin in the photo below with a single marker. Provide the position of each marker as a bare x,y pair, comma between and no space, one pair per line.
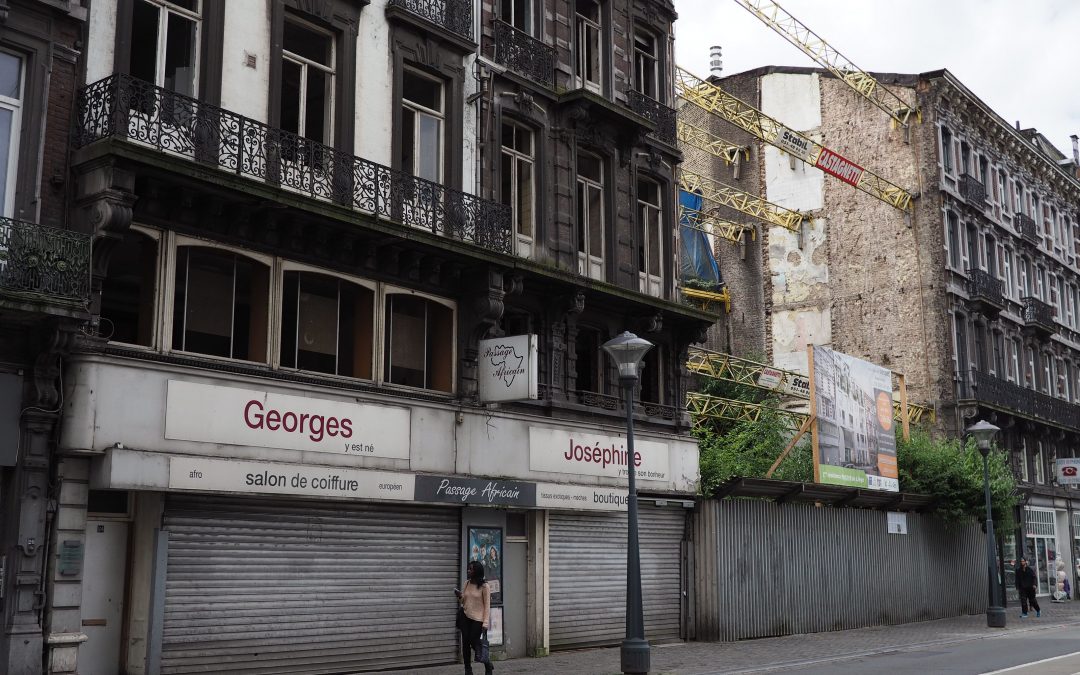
697,260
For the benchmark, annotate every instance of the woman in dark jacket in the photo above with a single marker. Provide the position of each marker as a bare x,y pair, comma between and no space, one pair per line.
1027,584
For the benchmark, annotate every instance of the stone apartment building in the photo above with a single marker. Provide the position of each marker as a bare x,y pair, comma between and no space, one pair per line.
306,218
973,295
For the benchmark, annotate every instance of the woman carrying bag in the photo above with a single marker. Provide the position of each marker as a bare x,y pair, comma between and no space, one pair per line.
473,618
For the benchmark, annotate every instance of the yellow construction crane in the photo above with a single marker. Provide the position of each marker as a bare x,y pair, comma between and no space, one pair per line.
813,45
703,407
718,227
768,378
744,202
699,138
713,99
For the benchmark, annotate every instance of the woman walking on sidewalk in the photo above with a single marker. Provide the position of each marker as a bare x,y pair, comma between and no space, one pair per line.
1027,584
475,599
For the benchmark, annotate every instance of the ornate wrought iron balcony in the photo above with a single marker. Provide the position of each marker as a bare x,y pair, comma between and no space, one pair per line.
453,15
1039,316
993,391
656,112
972,190
524,54
124,107
1027,229
44,264
987,291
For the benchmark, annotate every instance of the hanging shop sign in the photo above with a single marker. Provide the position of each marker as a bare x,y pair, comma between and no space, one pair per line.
483,491
507,369
835,165
232,416
1068,470
585,451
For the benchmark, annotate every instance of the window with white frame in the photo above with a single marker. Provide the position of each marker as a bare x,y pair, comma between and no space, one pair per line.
1037,460
999,354
418,347
946,150
517,175
1047,374
129,290
327,324
588,62
650,237
1014,357
517,13
952,225
1025,476
165,43
423,117
591,218
646,63
1020,203
972,236
1003,192
1029,368
965,158
11,97
307,81
1023,281
220,303
1007,272
1040,282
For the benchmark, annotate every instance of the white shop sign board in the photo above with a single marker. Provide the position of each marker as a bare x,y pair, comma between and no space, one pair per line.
1068,470
507,369
233,416
591,453
897,522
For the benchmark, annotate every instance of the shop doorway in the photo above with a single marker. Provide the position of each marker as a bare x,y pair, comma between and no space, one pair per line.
1040,547
103,596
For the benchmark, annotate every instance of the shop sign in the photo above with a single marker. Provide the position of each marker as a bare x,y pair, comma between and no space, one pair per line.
1068,471
587,452
793,143
579,497
789,383
232,416
483,491
835,165
226,475
897,522
507,369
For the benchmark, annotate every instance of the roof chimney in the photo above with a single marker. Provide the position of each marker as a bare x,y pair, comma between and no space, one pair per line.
1076,149
716,64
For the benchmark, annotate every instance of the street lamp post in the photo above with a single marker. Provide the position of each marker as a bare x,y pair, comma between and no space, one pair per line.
984,433
627,351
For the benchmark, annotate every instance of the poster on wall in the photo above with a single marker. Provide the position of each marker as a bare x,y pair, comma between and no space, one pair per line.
486,545
855,444
495,631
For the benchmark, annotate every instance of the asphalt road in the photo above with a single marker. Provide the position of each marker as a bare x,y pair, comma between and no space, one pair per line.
1051,651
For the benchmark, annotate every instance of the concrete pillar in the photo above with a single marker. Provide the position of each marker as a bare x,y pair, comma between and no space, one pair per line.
536,617
63,614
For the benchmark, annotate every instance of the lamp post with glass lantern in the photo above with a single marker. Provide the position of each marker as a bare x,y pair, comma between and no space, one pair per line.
984,433
627,351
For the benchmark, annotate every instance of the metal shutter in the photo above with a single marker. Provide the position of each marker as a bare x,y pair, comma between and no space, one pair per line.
270,586
587,568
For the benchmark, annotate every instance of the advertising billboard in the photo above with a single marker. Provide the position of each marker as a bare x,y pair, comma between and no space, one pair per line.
1068,470
854,441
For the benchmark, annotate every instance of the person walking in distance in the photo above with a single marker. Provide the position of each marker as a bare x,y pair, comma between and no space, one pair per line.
1027,584
475,599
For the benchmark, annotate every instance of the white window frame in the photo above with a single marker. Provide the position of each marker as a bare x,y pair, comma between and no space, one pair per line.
305,65
525,242
1014,370
591,263
157,328
422,110
383,327
278,304
1007,272
173,244
640,65
528,18
167,8
649,283
15,105
586,30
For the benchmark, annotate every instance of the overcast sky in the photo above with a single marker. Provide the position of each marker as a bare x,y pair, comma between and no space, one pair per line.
1021,57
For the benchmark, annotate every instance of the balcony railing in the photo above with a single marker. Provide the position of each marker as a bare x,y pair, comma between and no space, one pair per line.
1038,315
524,54
985,388
972,190
453,15
125,107
1027,228
656,112
986,289
44,263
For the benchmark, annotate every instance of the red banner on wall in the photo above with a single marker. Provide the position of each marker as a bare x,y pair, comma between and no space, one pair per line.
844,169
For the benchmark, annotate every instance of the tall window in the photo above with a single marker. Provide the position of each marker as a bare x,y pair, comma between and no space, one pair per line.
652,376
1007,272
517,13
11,95
419,345
1040,471
422,120
650,237
129,290
220,304
984,172
1014,356
946,150
999,354
1029,368
1024,282
961,347
164,44
990,246
590,375
307,81
953,226
588,62
518,187
1003,192
1020,204
972,247
646,64
965,158
1025,475
590,215
326,325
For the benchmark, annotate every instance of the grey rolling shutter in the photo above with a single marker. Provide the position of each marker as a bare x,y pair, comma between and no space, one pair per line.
275,586
587,568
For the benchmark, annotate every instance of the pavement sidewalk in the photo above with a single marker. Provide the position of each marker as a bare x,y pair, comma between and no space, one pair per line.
779,653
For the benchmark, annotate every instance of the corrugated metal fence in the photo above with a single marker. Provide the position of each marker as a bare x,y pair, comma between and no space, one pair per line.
767,569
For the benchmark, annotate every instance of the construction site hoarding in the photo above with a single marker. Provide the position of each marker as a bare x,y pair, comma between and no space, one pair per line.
854,441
